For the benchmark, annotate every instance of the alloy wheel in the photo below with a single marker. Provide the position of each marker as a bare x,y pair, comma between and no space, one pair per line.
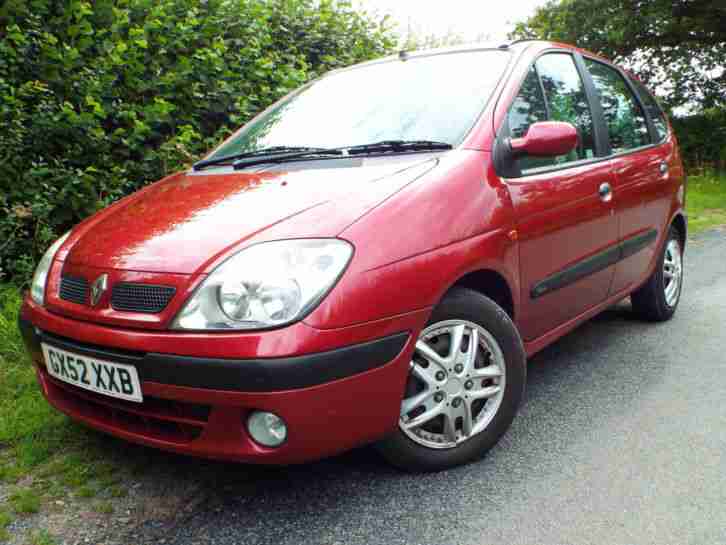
456,384
672,272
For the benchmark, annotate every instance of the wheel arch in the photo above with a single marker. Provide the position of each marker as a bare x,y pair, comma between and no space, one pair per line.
679,222
492,284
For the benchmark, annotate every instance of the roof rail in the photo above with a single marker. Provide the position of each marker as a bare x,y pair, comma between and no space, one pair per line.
510,43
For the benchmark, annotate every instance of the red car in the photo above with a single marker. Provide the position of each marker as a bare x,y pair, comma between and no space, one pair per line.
372,259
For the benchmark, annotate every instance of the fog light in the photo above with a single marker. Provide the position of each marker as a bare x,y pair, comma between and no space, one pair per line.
267,429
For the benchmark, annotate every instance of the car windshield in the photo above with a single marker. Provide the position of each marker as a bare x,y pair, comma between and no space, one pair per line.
436,97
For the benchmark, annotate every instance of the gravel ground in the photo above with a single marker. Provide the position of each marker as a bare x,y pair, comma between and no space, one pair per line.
620,440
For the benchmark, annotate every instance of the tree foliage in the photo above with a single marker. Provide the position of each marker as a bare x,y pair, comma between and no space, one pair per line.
98,98
675,46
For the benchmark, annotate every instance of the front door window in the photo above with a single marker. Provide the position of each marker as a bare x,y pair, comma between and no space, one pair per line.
553,91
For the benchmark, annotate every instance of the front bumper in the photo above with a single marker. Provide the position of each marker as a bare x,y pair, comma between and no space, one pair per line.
332,399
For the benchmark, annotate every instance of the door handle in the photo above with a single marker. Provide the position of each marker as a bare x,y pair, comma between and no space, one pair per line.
606,192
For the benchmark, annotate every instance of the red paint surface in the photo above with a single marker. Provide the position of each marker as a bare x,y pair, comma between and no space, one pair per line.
561,220
419,223
546,139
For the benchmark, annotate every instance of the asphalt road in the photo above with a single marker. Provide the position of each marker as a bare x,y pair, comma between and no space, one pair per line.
621,439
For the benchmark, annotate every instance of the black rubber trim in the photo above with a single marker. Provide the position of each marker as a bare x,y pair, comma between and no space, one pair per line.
246,375
634,244
30,338
92,351
594,264
578,271
267,375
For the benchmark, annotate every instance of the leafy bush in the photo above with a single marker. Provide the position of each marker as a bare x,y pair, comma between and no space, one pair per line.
98,98
702,138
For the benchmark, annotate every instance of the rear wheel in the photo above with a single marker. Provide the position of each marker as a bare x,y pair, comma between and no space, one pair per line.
466,380
658,298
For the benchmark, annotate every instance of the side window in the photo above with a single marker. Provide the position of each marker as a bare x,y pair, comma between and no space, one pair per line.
529,106
625,119
653,108
553,91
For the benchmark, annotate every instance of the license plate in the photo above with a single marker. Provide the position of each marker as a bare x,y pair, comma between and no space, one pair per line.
100,376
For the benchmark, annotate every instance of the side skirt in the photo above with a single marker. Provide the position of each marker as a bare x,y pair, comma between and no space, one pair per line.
534,346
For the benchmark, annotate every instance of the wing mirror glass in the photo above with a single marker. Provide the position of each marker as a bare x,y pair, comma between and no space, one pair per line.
546,139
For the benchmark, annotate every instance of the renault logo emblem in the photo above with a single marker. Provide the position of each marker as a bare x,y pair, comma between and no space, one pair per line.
98,288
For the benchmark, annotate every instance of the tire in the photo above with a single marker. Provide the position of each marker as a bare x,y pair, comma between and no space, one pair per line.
657,299
488,386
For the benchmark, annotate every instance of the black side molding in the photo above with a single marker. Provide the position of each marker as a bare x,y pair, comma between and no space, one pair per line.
633,245
594,263
247,375
579,270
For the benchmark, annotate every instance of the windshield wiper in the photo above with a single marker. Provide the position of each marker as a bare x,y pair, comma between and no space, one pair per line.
384,146
399,145
274,150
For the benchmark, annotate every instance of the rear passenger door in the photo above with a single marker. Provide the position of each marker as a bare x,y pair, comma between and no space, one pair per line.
567,230
640,159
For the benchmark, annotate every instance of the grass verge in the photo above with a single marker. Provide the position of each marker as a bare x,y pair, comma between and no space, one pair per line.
706,202
44,457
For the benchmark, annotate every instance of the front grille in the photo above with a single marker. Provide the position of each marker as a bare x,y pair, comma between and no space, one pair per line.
156,418
74,289
141,297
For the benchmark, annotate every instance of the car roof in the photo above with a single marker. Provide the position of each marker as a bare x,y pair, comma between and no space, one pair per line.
516,46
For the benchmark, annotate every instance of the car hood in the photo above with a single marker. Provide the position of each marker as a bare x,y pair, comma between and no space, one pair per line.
183,223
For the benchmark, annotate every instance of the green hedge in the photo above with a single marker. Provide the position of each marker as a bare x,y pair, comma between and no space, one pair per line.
98,98
702,139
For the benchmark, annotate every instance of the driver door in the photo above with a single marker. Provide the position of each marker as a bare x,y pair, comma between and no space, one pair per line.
564,206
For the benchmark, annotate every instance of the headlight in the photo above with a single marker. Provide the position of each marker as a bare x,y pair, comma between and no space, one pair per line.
37,287
266,285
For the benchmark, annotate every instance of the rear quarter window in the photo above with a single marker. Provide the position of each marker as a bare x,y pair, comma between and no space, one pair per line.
653,108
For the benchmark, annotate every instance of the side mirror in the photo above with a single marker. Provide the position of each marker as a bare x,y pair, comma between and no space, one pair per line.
546,139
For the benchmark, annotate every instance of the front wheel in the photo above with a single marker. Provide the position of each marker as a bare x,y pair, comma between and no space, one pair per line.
466,380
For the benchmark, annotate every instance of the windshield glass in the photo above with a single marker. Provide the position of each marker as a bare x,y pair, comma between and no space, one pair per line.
436,97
